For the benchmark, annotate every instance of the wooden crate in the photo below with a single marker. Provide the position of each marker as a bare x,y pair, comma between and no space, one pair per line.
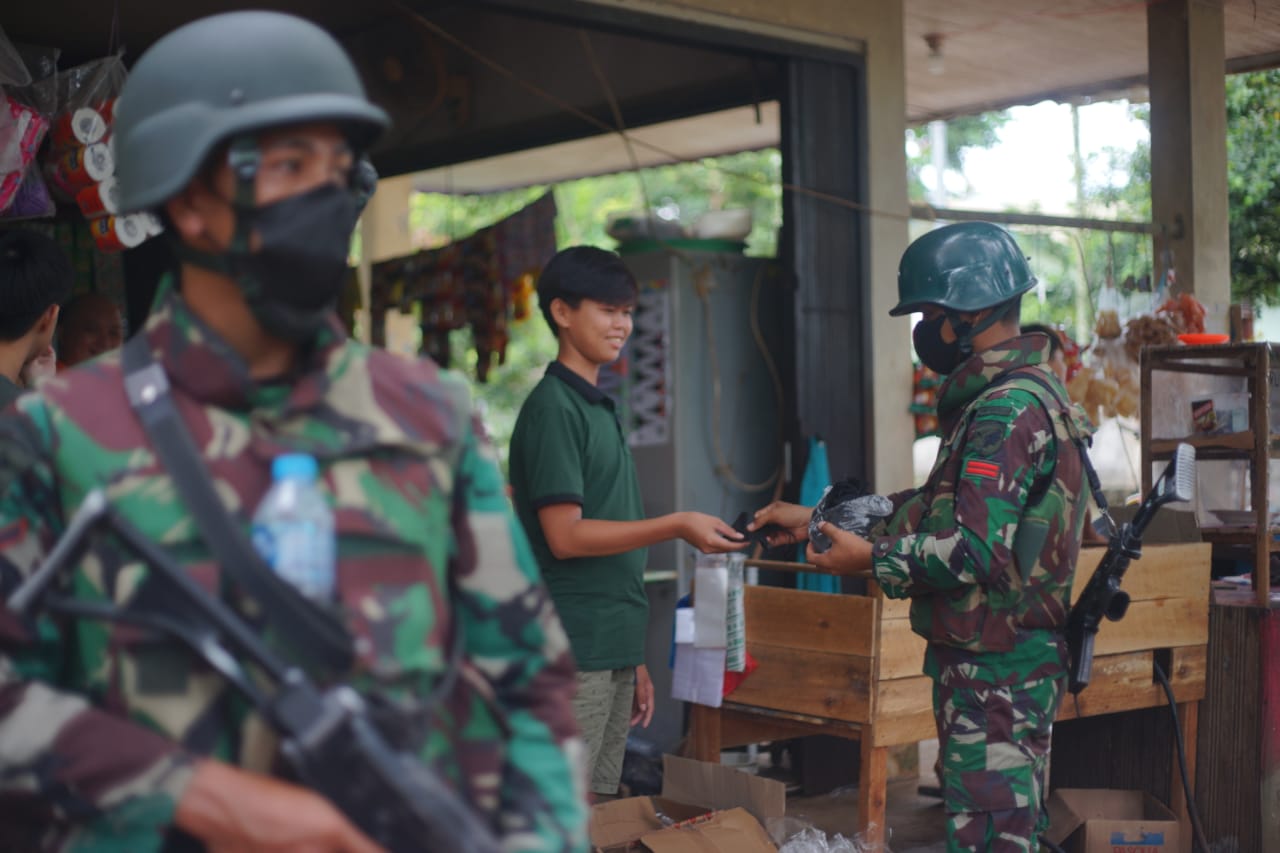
849,665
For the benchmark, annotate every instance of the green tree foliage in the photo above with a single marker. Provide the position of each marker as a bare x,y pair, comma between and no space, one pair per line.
1116,185
965,132
1253,184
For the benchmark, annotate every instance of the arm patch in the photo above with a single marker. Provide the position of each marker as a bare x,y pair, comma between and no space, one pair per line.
985,438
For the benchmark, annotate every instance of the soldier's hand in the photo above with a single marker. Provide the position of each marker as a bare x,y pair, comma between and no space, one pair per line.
849,553
233,810
792,518
709,534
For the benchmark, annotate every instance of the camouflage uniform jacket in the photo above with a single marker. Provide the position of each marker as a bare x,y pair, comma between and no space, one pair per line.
92,715
986,550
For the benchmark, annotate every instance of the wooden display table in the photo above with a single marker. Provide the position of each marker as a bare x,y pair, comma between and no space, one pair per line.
849,665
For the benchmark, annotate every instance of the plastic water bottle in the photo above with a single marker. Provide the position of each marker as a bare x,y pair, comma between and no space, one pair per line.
293,528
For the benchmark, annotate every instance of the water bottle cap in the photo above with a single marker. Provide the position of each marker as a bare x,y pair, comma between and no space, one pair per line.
291,466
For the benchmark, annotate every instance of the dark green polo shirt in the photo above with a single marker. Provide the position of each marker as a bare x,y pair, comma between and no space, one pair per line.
568,447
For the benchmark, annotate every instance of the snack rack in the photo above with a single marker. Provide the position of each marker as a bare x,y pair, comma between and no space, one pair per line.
1254,439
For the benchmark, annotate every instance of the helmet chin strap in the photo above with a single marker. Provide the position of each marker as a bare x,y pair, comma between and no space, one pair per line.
244,159
966,332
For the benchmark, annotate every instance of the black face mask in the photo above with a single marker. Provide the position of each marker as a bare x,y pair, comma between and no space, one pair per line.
937,355
293,279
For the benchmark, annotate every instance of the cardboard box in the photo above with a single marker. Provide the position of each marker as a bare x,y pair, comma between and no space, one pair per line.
703,807
1086,820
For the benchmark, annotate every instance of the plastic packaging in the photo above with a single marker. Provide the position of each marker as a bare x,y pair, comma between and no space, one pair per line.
13,71
735,618
794,835
293,528
848,506
22,129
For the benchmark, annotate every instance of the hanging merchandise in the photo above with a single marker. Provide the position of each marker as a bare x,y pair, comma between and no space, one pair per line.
80,161
924,401
22,129
479,282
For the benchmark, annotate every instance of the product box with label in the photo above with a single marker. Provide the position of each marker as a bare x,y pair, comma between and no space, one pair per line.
1100,820
704,807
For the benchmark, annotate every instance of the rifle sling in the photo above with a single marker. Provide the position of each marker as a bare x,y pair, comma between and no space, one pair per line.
311,633
1095,486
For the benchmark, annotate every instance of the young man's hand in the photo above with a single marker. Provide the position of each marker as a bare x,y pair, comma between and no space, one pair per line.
792,518
234,810
848,554
642,701
709,534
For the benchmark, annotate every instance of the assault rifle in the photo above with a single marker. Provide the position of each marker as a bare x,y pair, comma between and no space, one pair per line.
328,738
1103,596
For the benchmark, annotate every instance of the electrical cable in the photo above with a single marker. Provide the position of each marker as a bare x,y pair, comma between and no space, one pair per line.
423,21
724,468
1196,827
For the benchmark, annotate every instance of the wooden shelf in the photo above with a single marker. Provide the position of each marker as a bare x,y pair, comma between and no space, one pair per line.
1256,364
1237,536
1205,445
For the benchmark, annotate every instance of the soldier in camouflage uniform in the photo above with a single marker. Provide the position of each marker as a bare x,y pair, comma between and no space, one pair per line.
115,740
986,549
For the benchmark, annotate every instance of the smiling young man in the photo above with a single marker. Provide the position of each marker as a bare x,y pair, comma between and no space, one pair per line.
244,131
576,492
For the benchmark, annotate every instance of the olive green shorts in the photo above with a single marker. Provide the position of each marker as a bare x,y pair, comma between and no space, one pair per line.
603,708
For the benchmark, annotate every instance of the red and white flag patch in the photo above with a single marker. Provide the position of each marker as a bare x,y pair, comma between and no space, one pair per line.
980,469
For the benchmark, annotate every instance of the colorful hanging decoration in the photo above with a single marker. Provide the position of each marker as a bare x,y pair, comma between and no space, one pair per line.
484,281
924,401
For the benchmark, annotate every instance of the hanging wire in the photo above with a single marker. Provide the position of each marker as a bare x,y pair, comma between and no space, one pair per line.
502,70
704,282
113,36
619,127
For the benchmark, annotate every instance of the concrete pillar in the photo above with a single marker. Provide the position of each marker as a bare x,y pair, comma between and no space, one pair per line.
1186,56
384,234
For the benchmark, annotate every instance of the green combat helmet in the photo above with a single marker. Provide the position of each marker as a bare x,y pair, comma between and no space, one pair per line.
965,267
223,77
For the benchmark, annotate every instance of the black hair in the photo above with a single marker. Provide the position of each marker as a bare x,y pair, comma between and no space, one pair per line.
1055,339
584,272
34,273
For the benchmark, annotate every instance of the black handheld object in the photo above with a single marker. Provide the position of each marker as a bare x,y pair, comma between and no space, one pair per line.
1102,597
755,537
328,737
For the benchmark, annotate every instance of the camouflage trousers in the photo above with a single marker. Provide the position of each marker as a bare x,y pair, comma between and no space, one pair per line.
993,747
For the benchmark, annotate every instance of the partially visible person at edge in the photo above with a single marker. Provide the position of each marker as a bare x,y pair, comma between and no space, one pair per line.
91,324
986,549
101,741
575,490
35,279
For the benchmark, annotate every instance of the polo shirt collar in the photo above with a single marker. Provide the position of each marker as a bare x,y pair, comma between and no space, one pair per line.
589,392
